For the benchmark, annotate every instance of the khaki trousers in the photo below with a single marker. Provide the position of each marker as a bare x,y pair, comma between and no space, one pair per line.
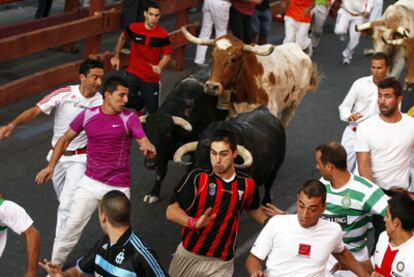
187,264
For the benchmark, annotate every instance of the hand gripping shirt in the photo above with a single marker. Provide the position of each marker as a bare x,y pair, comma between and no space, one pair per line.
109,144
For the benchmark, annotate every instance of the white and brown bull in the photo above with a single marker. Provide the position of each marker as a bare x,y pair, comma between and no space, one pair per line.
276,77
397,22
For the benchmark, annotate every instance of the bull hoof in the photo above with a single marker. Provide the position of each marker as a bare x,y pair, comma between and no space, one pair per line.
150,199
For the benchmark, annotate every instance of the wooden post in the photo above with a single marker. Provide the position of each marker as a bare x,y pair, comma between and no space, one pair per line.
178,55
93,44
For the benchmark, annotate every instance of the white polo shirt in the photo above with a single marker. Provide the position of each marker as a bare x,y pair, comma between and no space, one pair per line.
292,250
14,217
401,258
68,102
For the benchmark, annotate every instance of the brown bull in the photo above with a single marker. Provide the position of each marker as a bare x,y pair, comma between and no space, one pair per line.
277,77
397,22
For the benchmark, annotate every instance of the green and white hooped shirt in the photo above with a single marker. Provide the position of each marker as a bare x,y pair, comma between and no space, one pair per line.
2,227
352,206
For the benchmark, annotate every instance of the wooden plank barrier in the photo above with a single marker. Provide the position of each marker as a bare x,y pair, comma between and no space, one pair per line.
71,27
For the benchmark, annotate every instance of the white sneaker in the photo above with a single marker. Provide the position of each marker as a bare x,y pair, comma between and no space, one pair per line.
346,61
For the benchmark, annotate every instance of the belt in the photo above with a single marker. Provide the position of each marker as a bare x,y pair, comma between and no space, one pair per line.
74,152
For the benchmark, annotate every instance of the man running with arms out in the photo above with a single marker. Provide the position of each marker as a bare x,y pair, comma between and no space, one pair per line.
300,245
67,102
109,129
120,252
208,206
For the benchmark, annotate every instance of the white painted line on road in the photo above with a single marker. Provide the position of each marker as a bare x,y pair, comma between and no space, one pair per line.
248,244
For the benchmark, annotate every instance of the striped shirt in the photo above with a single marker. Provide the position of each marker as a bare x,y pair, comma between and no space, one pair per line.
128,257
352,207
200,191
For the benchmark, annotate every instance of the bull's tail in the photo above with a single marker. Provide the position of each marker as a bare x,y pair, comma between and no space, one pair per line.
315,77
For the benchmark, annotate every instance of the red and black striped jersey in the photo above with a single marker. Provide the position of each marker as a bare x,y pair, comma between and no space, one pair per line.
201,190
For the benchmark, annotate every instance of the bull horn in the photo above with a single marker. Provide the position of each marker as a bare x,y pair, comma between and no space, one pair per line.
194,39
402,31
186,148
143,119
259,51
399,41
363,27
246,155
182,123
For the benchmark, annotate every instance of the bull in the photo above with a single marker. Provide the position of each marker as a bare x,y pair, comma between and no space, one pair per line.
264,145
396,23
246,77
408,45
184,114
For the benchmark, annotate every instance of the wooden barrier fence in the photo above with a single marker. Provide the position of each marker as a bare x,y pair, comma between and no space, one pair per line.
75,24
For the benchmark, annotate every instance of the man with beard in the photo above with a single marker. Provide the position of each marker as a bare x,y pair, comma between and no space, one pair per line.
385,142
361,103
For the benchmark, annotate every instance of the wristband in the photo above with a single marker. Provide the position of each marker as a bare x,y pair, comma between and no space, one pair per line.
191,223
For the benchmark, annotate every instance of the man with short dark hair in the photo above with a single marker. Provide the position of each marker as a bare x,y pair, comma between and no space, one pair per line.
208,206
395,247
14,217
385,142
300,245
120,252
110,129
361,103
149,41
351,201
67,102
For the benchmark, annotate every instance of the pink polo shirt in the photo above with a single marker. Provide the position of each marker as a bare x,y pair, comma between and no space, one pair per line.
109,144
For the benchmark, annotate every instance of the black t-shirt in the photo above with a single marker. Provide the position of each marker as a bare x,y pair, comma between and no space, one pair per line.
127,257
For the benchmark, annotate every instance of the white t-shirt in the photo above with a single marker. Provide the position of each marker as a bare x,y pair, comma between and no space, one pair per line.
358,6
292,250
68,102
362,98
14,217
390,146
402,262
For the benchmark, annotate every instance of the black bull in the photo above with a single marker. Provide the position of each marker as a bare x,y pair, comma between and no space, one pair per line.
189,102
258,131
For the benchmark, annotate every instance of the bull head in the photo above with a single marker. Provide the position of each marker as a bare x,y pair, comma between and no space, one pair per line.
227,60
192,146
408,45
179,121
